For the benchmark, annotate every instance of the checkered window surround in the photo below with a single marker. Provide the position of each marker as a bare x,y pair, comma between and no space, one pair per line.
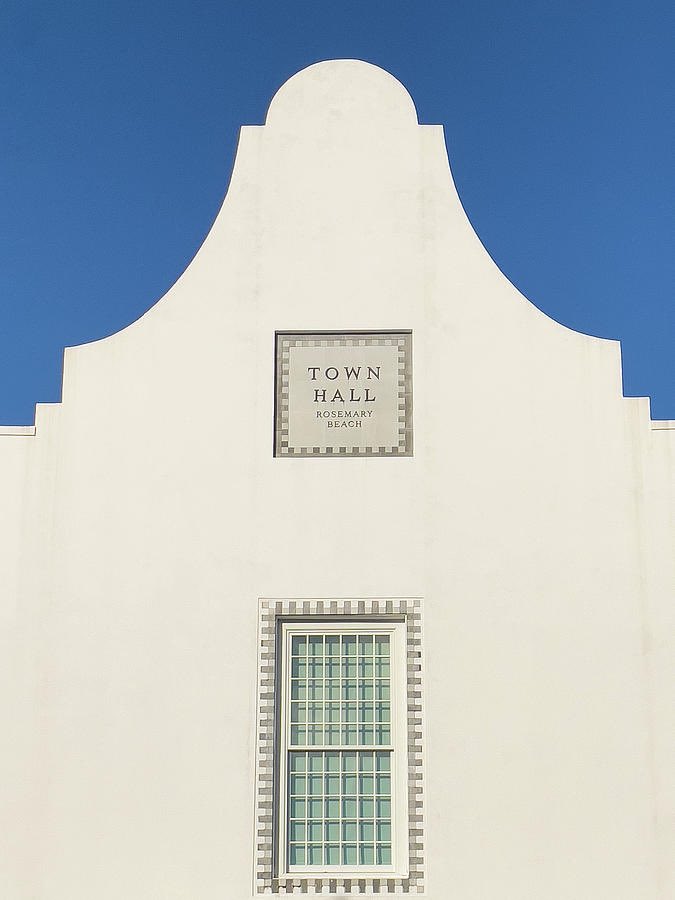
328,740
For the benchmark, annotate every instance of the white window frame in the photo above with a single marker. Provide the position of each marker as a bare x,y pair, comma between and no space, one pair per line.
396,629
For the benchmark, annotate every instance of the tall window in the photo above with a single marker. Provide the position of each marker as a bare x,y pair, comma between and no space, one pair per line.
343,759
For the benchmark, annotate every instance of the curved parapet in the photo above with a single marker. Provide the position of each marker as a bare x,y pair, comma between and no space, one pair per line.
342,200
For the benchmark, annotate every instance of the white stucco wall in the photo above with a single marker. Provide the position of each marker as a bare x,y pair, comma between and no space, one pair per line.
146,516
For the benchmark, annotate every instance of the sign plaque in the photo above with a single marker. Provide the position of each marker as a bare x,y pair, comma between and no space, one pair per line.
343,393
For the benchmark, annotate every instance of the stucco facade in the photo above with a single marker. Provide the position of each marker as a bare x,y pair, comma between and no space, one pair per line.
145,517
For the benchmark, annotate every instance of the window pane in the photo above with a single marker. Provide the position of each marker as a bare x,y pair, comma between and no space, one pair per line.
316,668
297,808
382,689
349,645
349,690
316,645
315,690
382,712
382,668
349,854
298,689
382,762
349,762
332,784
297,762
298,645
365,668
332,832
349,832
349,712
384,855
297,855
383,785
384,831
366,784
315,785
349,734
383,807
382,645
383,735
298,785
297,831
349,784
349,807
332,762
298,668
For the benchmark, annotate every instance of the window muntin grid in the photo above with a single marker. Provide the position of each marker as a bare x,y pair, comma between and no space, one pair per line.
339,808
340,690
339,795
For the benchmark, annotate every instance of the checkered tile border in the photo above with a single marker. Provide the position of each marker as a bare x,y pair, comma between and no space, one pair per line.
266,881
286,340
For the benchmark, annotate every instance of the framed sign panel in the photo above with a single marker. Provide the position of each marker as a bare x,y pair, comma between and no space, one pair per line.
343,393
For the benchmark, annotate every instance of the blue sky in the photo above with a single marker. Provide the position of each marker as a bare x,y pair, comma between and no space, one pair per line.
118,123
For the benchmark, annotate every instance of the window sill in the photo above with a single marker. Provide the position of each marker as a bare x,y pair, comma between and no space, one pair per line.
343,872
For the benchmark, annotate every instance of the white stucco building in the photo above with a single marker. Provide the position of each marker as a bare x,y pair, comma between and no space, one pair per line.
235,662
